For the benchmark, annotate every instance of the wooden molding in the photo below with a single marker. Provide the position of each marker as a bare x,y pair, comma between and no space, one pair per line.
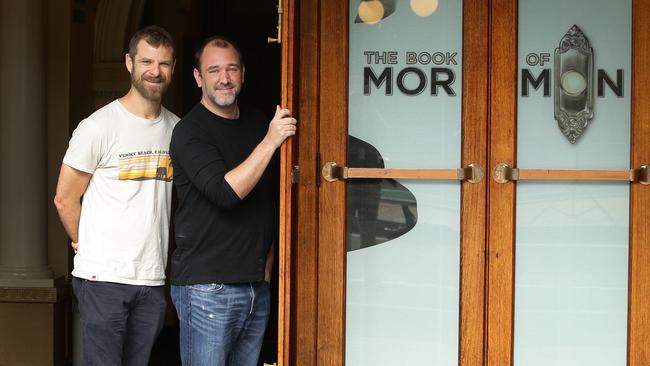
287,161
474,196
332,205
639,270
304,294
501,197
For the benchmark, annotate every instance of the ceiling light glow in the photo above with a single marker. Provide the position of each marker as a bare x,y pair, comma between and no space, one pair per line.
424,8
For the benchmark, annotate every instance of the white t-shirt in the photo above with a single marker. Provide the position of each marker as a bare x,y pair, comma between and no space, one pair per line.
124,224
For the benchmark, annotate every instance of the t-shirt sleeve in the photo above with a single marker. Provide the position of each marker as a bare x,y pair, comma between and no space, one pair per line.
203,164
85,148
170,116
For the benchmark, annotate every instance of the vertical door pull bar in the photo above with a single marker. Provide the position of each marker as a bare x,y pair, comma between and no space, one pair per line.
472,173
504,173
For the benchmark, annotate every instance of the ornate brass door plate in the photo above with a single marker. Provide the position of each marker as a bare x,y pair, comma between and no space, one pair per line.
574,84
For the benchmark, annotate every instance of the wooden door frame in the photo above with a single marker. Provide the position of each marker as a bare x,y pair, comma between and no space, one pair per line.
500,243
639,270
474,210
287,161
333,138
304,295
503,114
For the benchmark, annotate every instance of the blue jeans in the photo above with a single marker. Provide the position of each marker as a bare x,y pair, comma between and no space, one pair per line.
119,323
222,324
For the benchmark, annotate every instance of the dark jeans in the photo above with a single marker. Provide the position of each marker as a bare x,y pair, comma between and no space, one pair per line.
119,323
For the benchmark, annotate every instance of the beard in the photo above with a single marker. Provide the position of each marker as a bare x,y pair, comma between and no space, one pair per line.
226,100
150,92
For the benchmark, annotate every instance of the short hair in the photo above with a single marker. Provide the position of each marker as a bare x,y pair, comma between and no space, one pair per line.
221,42
154,35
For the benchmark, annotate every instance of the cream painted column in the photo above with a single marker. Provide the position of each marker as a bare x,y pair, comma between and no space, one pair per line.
23,146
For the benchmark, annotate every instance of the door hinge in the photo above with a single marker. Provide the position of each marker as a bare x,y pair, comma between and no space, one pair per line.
295,174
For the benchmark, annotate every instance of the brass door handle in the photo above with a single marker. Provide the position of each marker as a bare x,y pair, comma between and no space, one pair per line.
504,173
332,172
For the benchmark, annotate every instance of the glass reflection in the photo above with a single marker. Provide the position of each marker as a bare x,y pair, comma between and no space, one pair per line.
379,210
373,11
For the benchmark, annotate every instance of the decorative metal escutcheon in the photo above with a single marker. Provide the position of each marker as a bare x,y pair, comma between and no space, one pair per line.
574,84
472,173
504,173
332,172
641,175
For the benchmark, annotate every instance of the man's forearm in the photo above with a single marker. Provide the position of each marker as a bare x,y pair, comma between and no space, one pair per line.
245,176
69,190
69,215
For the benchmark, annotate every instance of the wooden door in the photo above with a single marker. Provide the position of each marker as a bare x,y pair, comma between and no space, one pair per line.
320,249
487,218
508,132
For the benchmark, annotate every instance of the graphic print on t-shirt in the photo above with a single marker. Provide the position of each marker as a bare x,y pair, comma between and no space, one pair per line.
145,165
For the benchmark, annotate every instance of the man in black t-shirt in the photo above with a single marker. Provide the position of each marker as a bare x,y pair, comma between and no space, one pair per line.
224,223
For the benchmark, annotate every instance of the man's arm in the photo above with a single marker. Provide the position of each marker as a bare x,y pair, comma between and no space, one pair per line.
71,186
245,176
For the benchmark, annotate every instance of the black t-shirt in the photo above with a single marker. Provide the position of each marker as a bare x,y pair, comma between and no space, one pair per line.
220,238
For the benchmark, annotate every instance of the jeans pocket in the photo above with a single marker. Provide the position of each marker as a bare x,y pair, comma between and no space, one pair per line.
207,287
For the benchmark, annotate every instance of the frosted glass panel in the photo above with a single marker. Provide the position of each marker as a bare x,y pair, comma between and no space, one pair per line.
572,238
403,261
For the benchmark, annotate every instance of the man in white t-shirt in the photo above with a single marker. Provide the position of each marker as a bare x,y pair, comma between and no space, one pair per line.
118,161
